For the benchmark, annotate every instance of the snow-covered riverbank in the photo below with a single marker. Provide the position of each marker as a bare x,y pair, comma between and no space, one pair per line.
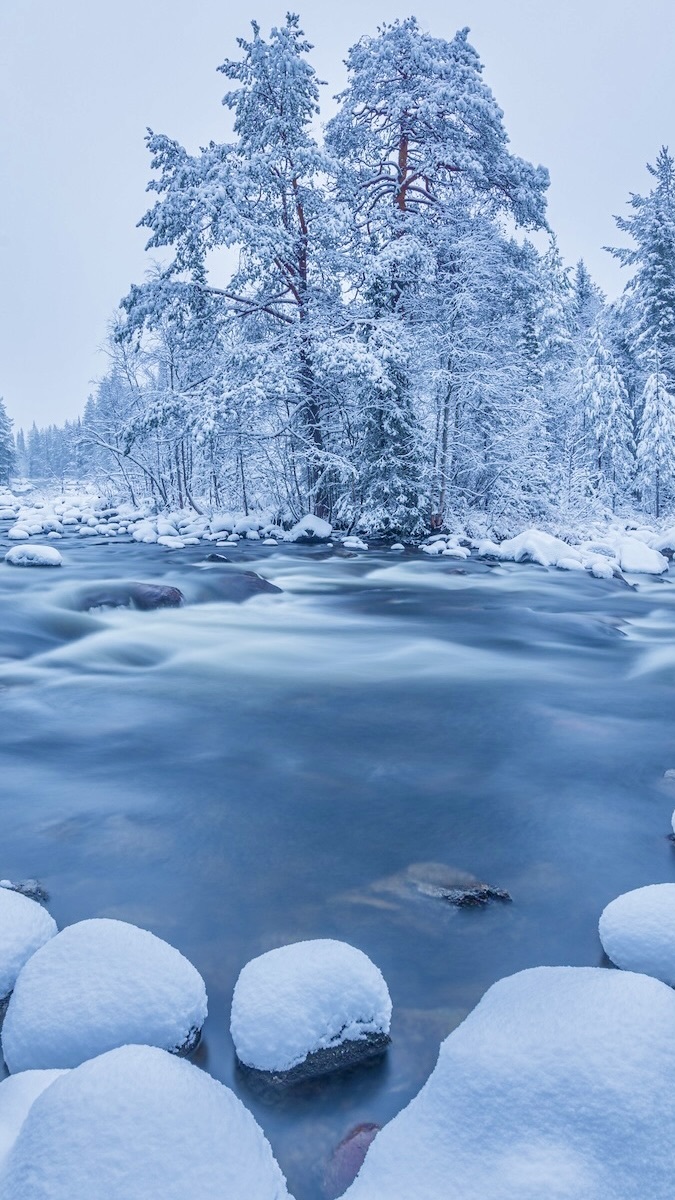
605,550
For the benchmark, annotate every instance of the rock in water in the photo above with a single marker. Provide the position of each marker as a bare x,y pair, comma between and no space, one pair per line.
347,1159
97,985
308,1009
144,596
435,880
24,927
237,586
137,1124
33,556
559,1084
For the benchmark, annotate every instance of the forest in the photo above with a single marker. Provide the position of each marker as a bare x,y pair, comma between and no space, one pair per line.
370,320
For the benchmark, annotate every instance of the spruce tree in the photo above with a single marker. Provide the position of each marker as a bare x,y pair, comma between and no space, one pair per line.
7,450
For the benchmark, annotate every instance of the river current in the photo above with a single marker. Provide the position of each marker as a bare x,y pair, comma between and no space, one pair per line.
237,777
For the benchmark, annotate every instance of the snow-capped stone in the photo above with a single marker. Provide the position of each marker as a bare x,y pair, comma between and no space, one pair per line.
397,546
303,998
17,533
25,926
634,556
533,545
88,531
245,524
171,543
453,551
637,931
601,568
97,985
311,528
559,1084
354,543
270,541
137,1124
17,1094
33,556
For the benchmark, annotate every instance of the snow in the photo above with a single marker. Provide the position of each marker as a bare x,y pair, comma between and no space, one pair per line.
138,1124
17,1094
33,556
306,997
637,931
97,985
25,926
558,1085
635,556
310,526
533,545
354,543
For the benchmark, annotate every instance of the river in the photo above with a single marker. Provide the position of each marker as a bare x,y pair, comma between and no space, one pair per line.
236,777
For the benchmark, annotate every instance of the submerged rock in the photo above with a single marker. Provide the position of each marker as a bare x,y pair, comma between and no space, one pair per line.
237,586
434,880
143,596
348,1158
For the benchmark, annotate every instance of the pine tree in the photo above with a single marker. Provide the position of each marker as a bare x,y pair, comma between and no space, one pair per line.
656,442
608,419
7,450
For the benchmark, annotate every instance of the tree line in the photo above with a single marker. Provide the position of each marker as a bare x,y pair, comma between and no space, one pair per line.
356,322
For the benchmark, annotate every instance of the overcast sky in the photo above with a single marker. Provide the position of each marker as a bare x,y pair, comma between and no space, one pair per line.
587,87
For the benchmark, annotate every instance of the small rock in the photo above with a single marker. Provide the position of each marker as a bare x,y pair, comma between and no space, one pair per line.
348,1158
217,558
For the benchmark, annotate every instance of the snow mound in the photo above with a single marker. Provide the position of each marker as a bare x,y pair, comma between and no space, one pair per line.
33,556
634,556
637,931
535,546
24,927
17,1094
306,997
354,543
137,1124
558,1085
310,527
97,985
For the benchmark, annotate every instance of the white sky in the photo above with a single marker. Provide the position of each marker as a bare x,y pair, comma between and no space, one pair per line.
587,87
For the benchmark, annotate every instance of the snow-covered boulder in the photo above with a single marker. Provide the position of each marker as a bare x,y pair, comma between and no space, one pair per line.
97,985
558,1085
33,556
17,533
310,529
533,545
320,1003
354,543
634,556
637,931
137,1124
17,1094
25,926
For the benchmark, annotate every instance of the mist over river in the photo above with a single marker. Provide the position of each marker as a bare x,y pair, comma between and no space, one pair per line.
235,777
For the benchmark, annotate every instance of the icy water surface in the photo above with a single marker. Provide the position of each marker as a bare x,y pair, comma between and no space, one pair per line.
238,777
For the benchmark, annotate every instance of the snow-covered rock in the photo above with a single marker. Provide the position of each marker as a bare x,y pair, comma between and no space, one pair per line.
17,533
97,985
558,1085
310,528
304,998
33,556
533,545
637,931
634,556
25,926
354,543
137,1124
17,1094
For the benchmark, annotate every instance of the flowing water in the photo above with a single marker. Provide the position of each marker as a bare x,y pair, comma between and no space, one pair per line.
237,777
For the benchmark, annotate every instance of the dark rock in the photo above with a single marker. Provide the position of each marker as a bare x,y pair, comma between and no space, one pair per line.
348,1158
237,586
322,1062
144,596
474,897
31,888
190,1044
217,558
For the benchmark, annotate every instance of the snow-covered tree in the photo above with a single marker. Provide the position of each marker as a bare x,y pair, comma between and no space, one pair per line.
656,442
608,419
7,448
